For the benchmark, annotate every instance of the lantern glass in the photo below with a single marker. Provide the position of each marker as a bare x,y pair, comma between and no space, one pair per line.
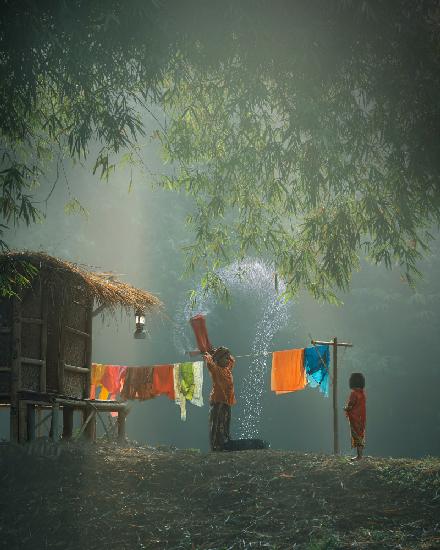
140,333
140,319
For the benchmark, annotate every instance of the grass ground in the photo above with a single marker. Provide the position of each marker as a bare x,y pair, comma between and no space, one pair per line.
105,497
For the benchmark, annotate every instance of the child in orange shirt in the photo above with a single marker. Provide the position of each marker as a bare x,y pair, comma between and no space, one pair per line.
355,411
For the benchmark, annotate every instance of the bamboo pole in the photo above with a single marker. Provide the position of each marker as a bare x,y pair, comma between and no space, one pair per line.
88,356
67,422
54,432
43,342
335,344
15,368
335,398
31,422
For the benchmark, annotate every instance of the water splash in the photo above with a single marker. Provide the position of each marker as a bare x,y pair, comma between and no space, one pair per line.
256,279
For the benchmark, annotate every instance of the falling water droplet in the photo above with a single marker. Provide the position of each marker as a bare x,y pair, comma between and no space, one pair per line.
255,278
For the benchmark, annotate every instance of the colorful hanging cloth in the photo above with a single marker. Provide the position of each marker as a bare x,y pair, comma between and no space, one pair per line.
316,363
197,398
187,380
198,324
138,383
96,377
288,373
179,398
163,380
111,378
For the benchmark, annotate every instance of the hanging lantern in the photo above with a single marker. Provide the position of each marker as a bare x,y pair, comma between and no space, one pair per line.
140,333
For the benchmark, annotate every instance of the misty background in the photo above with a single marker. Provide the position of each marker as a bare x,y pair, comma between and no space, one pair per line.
137,232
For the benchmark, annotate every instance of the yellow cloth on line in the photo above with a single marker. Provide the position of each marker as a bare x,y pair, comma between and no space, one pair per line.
288,373
97,373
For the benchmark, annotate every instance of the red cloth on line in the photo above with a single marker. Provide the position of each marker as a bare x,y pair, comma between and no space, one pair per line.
111,378
163,380
198,324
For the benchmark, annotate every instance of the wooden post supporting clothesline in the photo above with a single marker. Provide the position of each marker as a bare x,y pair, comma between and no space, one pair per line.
335,344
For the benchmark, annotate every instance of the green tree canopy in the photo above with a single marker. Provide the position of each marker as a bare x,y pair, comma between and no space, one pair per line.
307,131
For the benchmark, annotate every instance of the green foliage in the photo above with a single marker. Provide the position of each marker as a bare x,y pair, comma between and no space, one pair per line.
317,158
14,276
307,132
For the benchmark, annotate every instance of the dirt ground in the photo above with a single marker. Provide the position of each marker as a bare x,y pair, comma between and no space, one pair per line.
79,496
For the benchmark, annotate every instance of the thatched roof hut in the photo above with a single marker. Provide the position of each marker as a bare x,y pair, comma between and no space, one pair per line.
46,328
103,288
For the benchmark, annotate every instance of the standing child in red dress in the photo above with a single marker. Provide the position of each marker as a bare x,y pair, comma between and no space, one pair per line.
355,411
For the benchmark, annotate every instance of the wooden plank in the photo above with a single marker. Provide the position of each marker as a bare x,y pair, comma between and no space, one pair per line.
43,341
5,330
108,406
73,368
331,343
32,320
5,369
15,368
78,332
75,403
30,361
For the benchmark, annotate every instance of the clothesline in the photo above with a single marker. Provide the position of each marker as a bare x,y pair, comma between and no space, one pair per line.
194,354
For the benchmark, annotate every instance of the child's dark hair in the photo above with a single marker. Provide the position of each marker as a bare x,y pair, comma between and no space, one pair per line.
357,380
221,356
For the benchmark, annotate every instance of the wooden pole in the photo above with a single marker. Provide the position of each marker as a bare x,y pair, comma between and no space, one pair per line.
31,422
88,358
335,398
67,422
15,368
335,344
121,426
44,308
89,426
55,434
22,421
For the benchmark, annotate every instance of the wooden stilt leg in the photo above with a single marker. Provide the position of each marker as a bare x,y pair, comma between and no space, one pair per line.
122,415
31,422
55,430
67,422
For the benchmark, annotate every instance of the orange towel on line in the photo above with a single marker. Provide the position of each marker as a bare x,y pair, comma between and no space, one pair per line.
163,380
288,373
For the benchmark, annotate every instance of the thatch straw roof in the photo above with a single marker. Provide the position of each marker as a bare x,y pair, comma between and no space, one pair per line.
103,288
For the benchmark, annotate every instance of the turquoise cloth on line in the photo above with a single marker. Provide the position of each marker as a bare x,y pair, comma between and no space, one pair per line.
316,364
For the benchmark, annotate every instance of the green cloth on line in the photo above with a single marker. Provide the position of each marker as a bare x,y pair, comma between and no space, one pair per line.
187,384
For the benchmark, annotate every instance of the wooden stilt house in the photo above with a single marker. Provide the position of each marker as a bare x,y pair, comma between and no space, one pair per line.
46,342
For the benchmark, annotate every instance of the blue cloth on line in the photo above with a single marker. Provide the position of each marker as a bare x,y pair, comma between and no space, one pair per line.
316,364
